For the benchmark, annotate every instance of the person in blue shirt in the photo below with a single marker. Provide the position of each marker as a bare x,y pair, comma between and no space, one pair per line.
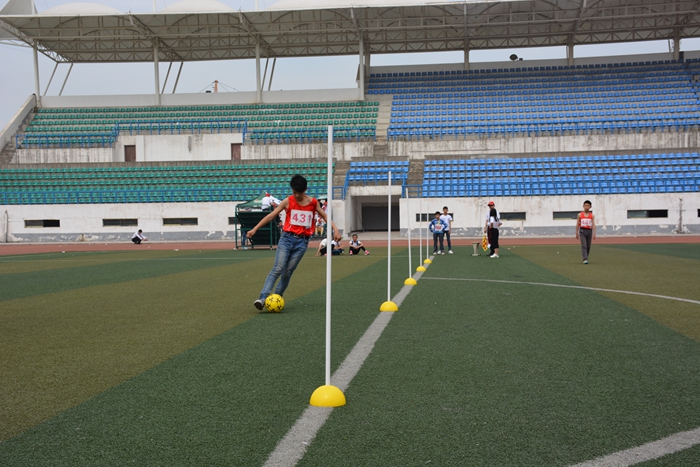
438,227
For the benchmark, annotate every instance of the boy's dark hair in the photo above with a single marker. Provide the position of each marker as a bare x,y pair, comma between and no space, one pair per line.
588,202
298,183
354,235
437,213
445,207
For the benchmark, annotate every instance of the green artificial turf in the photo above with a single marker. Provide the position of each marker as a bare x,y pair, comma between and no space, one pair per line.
80,330
227,401
671,270
466,373
507,374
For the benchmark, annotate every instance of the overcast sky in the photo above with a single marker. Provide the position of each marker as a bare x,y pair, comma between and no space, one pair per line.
17,78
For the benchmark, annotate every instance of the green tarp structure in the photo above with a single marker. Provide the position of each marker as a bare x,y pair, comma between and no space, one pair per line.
248,215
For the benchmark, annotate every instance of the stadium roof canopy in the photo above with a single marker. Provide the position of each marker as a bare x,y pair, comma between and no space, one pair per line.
301,28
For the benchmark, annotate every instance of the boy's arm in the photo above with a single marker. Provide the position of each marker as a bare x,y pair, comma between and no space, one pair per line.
578,224
593,224
322,213
267,219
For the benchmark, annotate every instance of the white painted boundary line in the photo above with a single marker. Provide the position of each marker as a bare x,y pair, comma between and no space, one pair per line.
666,297
646,452
292,447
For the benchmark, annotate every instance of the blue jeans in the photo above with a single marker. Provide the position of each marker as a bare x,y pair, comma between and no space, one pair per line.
290,250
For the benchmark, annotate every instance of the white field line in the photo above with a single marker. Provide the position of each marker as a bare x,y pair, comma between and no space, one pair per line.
666,297
292,447
646,452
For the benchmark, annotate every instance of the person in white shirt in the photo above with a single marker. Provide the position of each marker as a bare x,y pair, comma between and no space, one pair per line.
335,248
493,222
138,237
269,202
447,219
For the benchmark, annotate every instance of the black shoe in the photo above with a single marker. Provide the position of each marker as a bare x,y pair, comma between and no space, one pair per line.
258,304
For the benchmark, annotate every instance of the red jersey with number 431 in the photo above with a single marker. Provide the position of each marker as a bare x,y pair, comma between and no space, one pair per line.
300,219
586,220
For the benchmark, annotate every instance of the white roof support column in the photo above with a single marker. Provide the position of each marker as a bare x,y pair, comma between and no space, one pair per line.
466,54
60,93
570,53
258,84
467,45
157,72
362,69
37,90
48,85
676,47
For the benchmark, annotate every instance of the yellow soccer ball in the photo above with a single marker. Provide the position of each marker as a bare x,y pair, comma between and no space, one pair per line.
274,303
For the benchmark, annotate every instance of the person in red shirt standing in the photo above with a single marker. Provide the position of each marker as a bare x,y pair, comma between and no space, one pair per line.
294,241
585,230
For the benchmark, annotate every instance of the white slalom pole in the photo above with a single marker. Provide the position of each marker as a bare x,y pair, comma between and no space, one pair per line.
408,221
420,230
328,395
388,239
329,250
427,242
388,305
410,280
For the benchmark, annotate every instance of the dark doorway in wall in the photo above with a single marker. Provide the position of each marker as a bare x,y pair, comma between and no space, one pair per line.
375,218
130,153
235,151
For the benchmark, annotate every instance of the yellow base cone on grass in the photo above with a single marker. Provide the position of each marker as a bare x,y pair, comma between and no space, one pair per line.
420,269
327,396
427,261
410,281
388,306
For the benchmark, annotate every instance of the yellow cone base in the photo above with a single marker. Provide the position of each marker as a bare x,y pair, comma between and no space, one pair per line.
327,396
427,261
410,281
421,269
388,306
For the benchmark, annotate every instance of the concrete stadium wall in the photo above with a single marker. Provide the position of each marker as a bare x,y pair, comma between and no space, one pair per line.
218,98
159,148
632,143
7,133
83,222
610,214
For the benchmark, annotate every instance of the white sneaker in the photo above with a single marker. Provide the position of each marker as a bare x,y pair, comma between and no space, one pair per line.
450,251
494,256
442,252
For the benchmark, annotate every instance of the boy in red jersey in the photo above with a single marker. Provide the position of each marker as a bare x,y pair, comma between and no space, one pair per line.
294,241
585,230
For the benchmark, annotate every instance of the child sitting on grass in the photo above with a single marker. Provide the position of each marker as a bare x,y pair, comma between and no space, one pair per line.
356,246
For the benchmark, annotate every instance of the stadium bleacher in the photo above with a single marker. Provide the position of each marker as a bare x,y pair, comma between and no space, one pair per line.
52,127
153,184
619,97
569,175
377,172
